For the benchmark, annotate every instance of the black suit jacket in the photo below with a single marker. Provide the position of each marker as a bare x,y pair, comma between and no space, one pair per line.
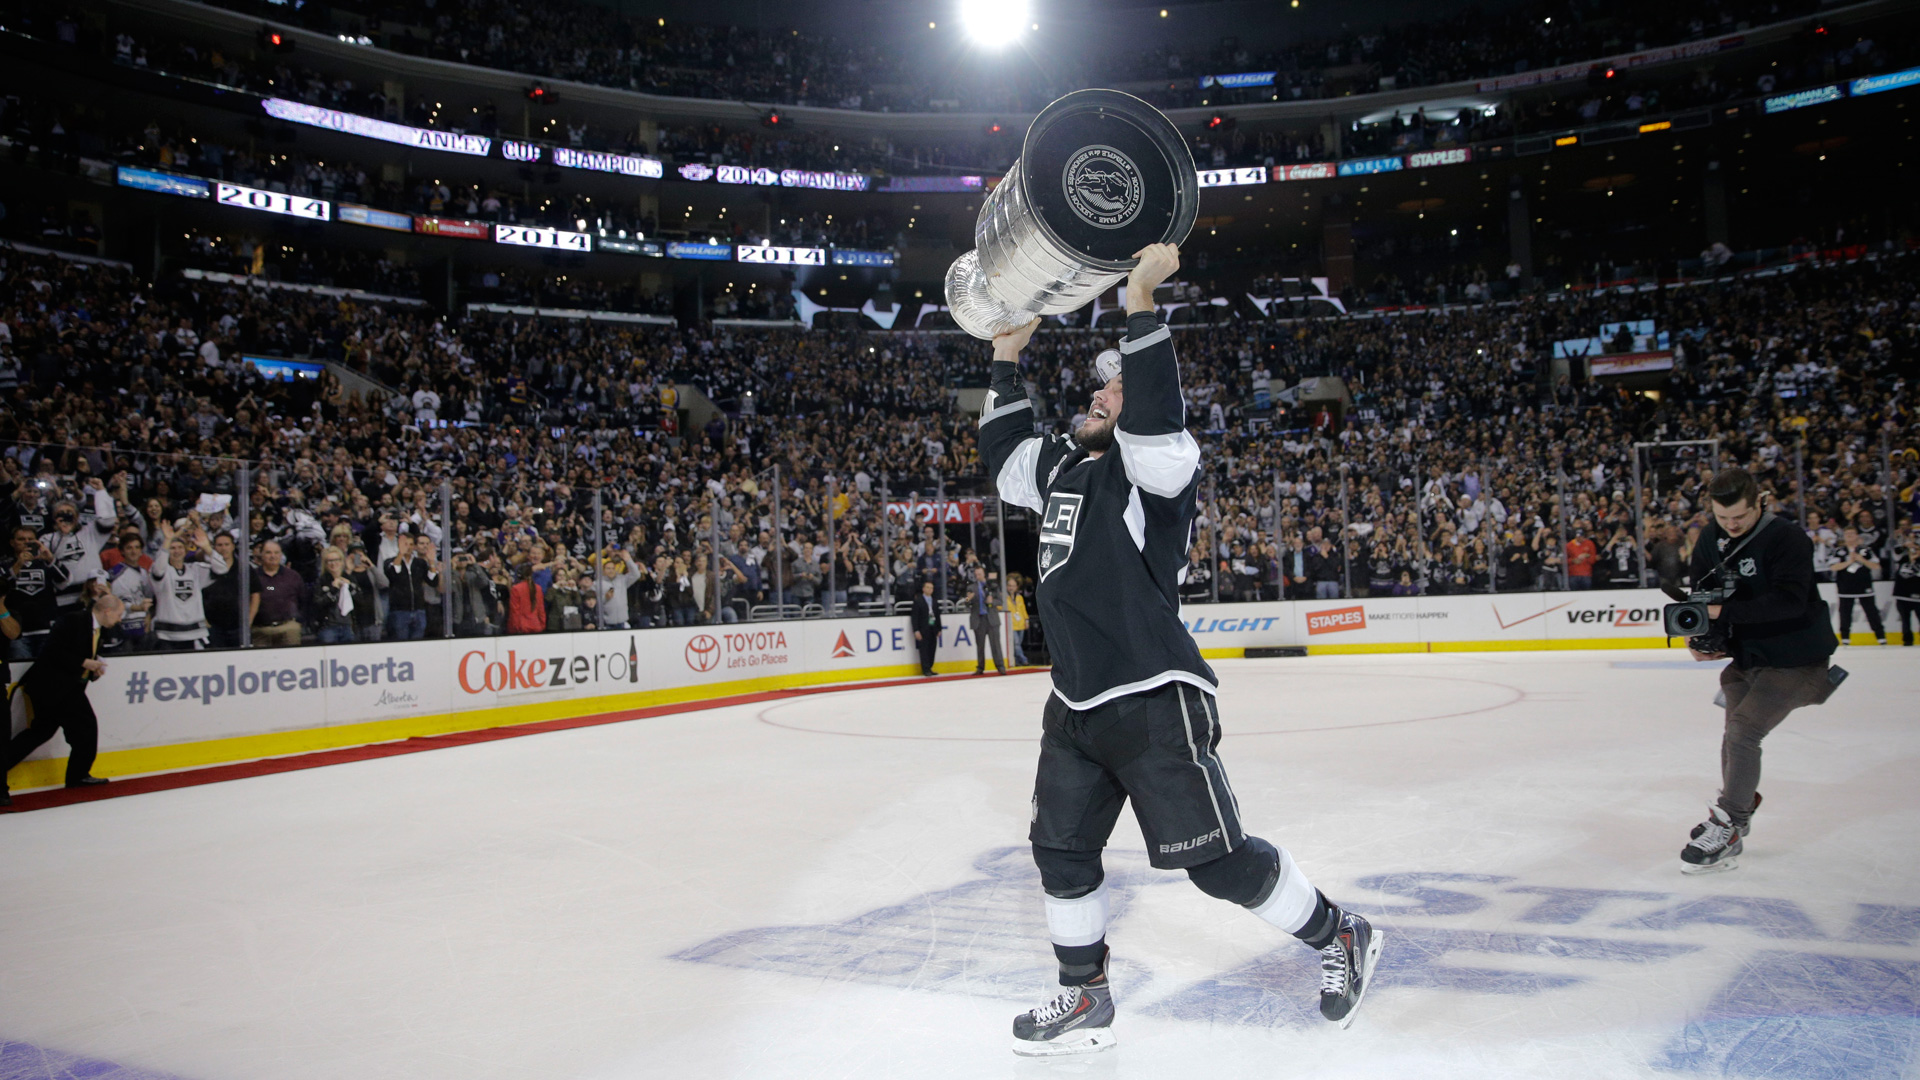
56,673
922,621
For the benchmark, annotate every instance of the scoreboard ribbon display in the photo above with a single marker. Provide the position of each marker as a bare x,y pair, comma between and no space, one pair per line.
272,202
533,236
781,256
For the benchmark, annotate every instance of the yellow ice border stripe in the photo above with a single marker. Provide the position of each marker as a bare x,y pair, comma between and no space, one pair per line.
191,755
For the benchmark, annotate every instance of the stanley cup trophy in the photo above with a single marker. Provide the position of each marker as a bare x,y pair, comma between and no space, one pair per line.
1101,175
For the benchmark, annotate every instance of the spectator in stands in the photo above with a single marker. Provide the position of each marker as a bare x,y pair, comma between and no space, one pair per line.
79,537
221,596
368,582
1581,555
180,581
279,599
526,603
1323,566
1519,564
566,603
475,597
1196,581
334,599
681,599
130,581
1620,560
409,574
1017,619
32,580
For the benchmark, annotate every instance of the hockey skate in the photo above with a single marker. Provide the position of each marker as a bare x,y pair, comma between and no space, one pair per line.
1346,968
1078,1021
1745,830
1716,845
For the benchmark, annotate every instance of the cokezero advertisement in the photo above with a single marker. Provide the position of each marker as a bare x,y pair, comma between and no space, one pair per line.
153,700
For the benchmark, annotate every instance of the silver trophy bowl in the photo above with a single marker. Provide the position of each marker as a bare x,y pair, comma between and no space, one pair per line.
1101,175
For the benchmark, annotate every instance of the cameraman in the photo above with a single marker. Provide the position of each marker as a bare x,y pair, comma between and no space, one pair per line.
1775,628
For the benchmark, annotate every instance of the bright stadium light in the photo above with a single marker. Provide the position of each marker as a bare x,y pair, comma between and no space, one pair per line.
994,22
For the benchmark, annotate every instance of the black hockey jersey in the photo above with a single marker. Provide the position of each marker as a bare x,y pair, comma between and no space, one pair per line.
1114,529
1906,573
1857,579
1775,617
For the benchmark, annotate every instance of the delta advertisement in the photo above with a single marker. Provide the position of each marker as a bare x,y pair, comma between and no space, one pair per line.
158,700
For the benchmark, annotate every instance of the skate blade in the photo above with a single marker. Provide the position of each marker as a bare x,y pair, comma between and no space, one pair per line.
1086,1042
1372,966
1696,869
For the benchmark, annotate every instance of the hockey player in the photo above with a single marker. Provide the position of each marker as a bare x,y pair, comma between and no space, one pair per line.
1132,713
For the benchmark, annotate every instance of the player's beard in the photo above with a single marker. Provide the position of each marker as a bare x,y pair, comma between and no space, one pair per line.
1093,436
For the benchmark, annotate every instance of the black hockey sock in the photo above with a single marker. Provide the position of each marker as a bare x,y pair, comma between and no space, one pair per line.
1321,925
1081,964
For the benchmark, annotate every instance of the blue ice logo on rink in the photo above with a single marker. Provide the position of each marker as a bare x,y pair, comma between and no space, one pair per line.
979,937
1808,1006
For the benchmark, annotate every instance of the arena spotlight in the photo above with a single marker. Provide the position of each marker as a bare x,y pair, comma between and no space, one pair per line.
994,23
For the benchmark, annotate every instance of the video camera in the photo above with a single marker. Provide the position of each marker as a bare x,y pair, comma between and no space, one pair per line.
1688,618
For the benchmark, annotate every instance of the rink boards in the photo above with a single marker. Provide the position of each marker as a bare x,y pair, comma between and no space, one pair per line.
165,711
162,711
1602,619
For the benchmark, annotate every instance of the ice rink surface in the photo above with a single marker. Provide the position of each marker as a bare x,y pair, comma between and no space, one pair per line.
837,885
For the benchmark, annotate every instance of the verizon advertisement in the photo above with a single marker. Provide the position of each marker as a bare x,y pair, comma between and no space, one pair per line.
1501,620
164,699
1410,620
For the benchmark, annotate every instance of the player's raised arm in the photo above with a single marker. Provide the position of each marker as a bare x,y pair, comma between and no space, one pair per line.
1007,440
1160,457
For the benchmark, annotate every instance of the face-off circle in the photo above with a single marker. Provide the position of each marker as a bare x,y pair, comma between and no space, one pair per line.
1103,187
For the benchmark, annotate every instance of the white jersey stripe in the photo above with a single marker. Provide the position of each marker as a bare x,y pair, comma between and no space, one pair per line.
1226,834
995,411
1016,482
1134,345
1214,709
1161,465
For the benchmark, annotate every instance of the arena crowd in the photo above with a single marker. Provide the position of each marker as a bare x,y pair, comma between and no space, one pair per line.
1459,465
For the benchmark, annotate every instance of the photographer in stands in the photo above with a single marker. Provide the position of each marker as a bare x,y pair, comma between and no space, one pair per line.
1775,628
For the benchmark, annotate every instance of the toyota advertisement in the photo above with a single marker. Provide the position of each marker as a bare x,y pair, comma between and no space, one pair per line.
400,689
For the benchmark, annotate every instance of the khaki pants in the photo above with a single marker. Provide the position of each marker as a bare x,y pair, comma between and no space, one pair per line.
1758,699
273,637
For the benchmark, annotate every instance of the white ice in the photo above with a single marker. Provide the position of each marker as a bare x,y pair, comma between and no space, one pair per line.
837,885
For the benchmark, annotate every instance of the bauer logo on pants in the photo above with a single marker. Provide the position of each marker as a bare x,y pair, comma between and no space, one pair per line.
1057,529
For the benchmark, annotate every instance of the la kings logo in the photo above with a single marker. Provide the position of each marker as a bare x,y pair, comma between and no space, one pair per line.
1057,529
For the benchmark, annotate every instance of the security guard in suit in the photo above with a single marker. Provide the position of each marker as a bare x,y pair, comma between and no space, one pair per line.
56,690
926,626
